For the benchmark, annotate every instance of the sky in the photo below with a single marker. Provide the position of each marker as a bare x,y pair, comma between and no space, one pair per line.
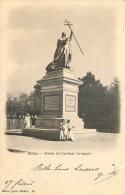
31,30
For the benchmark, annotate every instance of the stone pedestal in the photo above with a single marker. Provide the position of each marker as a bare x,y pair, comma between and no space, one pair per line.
59,99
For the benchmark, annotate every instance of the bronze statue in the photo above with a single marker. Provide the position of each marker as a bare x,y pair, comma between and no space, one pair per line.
63,54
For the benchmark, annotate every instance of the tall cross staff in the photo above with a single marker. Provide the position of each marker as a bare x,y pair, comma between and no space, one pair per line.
69,25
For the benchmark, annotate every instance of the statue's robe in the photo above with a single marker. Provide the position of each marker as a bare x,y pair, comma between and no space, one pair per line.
62,56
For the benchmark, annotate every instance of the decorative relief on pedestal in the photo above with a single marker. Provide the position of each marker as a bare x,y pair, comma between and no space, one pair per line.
70,103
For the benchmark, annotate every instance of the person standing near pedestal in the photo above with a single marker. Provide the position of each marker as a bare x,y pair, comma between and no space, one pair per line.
27,121
63,130
69,128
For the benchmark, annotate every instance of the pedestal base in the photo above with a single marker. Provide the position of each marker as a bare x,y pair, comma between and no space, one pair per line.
45,122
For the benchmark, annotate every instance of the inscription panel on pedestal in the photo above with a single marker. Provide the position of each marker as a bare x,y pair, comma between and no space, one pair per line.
70,103
51,102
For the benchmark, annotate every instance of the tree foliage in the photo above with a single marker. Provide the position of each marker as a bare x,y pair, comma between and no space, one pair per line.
99,105
24,103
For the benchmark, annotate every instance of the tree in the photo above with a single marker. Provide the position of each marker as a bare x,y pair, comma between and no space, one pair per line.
35,98
99,105
24,103
91,95
17,105
114,105
11,105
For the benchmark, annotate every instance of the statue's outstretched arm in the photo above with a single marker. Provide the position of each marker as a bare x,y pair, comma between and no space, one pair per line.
71,35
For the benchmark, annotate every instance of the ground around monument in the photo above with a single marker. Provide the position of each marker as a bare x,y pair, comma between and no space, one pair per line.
87,141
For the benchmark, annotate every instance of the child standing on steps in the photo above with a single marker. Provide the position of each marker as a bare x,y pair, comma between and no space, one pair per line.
63,130
70,132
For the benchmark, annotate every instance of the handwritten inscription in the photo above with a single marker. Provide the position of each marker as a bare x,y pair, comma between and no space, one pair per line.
13,186
60,167
103,177
81,168
42,167
100,176
22,185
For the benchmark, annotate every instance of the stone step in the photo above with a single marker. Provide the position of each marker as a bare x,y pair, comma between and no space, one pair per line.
78,123
79,131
